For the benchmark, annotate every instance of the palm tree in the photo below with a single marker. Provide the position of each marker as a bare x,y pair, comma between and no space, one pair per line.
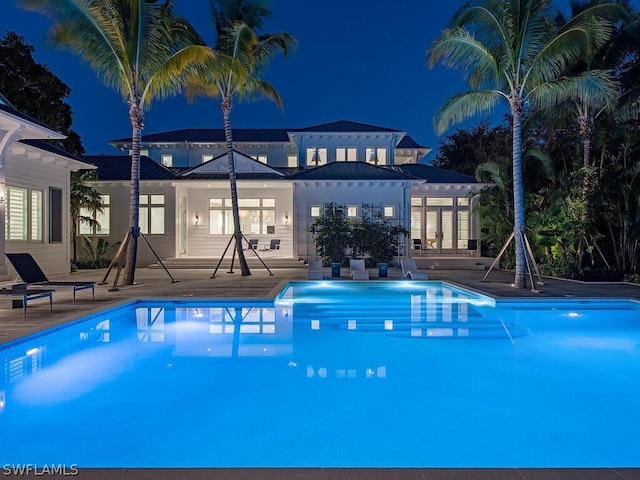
513,50
83,198
242,54
138,47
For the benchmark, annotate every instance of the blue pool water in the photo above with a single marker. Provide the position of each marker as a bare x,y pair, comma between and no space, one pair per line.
331,374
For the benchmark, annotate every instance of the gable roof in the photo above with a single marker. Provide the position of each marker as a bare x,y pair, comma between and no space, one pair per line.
118,167
245,167
434,174
350,171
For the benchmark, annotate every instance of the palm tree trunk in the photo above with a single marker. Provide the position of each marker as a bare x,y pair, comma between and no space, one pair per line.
586,131
136,115
518,192
226,114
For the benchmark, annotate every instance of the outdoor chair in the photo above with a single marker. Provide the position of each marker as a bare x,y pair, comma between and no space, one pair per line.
358,271
314,271
253,244
274,246
410,269
417,245
31,274
21,294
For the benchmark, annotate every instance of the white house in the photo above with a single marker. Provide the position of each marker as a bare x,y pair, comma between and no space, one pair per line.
34,192
284,178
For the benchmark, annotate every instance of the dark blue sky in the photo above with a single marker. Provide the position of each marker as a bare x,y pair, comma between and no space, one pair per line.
359,60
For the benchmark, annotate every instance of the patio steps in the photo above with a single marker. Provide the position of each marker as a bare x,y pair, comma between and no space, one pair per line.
210,263
453,263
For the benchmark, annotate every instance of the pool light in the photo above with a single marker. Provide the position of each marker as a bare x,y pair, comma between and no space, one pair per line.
33,351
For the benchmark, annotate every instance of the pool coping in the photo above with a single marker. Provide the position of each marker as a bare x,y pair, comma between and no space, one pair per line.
353,474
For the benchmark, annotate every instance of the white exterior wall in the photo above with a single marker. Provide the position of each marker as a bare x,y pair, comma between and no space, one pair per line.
367,195
164,245
53,258
200,243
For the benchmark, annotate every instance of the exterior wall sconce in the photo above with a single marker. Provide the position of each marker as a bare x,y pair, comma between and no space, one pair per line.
286,218
197,219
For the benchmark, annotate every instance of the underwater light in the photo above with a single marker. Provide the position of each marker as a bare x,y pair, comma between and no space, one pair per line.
33,351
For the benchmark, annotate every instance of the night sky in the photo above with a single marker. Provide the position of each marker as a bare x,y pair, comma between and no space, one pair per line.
358,60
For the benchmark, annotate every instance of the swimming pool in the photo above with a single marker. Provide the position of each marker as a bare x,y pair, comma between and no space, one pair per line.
371,374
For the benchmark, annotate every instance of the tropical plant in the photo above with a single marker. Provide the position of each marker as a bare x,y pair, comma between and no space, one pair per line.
96,253
375,239
236,72
332,234
138,47
513,50
84,198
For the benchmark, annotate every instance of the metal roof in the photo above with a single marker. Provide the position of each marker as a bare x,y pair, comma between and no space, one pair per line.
350,171
433,174
47,147
346,126
213,135
262,135
118,167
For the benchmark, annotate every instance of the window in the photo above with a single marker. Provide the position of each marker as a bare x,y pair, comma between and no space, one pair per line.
152,214
416,201
257,216
36,216
346,154
463,201
352,211
103,219
292,161
316,156
376,156
260,158
206,157
24,214
16,213
388,211
315,211
167,160
440,202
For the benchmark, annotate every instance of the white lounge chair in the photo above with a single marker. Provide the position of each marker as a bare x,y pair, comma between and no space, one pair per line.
358,271
314,271
410,269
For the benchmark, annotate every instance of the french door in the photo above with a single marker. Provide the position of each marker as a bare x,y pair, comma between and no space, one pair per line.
439,229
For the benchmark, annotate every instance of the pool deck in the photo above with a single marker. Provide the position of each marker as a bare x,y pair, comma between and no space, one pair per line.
196,283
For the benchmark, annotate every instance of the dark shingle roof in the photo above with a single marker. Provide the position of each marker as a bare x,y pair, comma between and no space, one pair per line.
433,174
118,167
213,135
345,126
350,171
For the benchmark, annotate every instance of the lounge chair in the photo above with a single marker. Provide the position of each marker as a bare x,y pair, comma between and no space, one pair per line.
22,294
410,269
358,272
31,274
315,270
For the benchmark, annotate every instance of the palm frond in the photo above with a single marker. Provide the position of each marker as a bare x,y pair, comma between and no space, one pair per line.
464,106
